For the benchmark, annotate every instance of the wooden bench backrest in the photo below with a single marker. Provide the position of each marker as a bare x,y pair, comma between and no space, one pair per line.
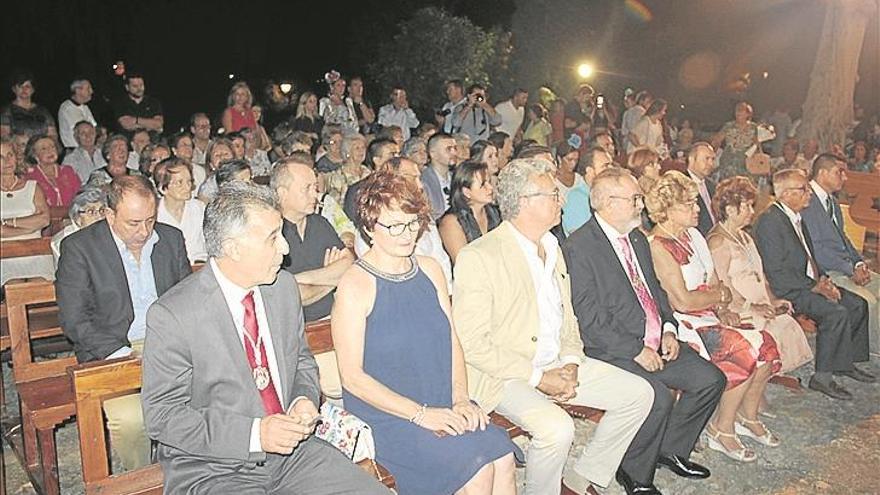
26,247
93,384
863,189
18,298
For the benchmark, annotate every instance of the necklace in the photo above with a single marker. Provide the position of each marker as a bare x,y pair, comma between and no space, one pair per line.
692,252
9,190
260,371
744,247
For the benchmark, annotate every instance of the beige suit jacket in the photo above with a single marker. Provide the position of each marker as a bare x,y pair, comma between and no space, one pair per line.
495,312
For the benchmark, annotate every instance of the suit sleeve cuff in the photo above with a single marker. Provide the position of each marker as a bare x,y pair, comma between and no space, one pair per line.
535,379
256,444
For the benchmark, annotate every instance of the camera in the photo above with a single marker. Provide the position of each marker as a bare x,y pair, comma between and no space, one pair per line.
600,101
480,97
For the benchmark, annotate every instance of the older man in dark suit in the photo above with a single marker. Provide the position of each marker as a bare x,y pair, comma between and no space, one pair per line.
230,385
789,260
108,275
625,319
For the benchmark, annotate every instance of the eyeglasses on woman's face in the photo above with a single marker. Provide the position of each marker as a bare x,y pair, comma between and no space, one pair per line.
397,229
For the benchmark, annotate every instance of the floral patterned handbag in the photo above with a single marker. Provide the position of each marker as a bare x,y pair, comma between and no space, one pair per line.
346,432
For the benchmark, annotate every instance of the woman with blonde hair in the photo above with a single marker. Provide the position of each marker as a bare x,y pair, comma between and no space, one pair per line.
747,355
307,119
238,113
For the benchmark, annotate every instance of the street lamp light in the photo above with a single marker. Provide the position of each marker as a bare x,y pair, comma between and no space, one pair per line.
286,87
585,70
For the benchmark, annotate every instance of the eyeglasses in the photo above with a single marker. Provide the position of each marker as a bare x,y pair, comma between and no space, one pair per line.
397,229
93,211
805,189
635,199
554,195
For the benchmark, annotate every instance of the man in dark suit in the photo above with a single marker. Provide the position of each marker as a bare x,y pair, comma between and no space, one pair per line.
701,164
625,319
230,385
835,254
790,265
108,275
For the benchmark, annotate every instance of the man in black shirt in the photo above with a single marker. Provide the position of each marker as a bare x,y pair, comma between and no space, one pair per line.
136,110
317,256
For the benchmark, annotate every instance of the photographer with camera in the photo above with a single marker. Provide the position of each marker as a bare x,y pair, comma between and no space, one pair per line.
477,116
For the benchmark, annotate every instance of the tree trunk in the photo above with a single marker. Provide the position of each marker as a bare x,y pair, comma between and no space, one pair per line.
828,109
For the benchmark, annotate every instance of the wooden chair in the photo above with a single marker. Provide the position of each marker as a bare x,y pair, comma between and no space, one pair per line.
93,383
863,190
44,390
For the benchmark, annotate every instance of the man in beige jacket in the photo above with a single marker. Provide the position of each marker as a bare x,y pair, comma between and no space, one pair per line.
512,311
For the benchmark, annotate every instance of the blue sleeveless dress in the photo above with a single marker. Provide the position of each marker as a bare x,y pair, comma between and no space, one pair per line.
408,348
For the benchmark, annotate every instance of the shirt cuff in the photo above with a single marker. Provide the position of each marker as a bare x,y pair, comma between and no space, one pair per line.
570,360
860,263
256,444
535,379
121,352
669,327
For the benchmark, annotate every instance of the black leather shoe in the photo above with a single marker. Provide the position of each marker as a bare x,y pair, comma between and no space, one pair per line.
831,389
858,375
683,467
634,488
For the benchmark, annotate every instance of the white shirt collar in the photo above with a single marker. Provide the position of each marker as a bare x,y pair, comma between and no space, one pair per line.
548,241
793,217
610,232
696,178
231,291
820,193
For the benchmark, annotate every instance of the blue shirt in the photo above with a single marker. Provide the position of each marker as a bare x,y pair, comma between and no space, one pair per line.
141,283
576,211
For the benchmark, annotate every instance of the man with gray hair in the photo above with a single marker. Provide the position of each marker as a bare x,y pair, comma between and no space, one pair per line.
75,109
230,386
513,315
626,321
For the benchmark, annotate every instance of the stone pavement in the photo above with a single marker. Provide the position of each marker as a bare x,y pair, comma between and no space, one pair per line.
829,447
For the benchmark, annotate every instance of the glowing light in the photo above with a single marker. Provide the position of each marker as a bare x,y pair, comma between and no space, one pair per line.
286,87
231,76
585,70
765,74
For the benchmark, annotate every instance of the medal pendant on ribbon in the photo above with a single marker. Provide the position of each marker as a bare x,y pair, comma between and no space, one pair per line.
261,377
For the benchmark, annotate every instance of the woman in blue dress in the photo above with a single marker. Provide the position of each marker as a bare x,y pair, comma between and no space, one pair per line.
401,364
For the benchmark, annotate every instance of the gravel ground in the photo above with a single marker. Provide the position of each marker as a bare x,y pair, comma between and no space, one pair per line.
829,447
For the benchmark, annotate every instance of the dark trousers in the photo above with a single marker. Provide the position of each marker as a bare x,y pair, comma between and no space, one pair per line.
672,427
842,328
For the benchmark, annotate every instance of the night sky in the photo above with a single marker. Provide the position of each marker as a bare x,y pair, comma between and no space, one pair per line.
187,49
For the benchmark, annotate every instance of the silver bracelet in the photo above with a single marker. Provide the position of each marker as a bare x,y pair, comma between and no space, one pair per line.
419,416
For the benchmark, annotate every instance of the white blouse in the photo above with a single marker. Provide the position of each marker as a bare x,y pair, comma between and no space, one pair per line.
191,226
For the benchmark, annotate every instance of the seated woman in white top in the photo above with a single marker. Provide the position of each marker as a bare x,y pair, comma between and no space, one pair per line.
178,208
88,206
24,213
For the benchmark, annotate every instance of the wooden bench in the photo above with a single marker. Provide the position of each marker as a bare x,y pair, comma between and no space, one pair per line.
863,191
44,390
321,340
93,383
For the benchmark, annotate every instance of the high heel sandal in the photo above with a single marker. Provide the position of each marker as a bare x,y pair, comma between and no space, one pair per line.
742,454
768,438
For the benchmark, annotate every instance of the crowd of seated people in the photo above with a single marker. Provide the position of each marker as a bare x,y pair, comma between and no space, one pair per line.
498,259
